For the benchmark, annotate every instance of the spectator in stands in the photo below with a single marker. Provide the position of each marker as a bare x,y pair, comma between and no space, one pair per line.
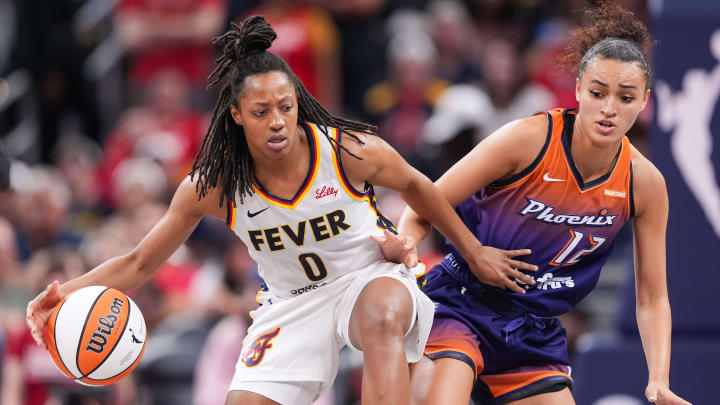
49,48
505,96
455,40
403,102
164,128
41,208
161,34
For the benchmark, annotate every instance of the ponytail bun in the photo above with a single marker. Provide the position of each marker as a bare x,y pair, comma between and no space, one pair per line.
254,35
606,20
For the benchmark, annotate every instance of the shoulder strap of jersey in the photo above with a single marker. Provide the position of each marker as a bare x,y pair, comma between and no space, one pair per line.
552,123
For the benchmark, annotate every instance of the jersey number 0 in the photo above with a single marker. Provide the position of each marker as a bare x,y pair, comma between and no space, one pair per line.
313,265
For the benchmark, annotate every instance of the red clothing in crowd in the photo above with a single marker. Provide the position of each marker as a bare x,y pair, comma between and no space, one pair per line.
36,366
193,59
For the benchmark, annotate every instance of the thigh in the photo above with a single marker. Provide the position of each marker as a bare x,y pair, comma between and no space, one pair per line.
444,381
562,397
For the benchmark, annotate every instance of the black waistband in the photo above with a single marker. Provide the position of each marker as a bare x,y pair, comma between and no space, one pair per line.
488,295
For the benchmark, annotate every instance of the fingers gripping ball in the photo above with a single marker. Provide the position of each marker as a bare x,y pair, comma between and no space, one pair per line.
96,335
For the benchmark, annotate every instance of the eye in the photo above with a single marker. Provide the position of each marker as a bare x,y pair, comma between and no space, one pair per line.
259,113
595,93
627,99
286,108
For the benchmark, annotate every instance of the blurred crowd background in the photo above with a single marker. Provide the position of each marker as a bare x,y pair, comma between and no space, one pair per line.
102,108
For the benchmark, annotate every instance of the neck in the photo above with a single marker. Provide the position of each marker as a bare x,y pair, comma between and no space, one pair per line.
591,159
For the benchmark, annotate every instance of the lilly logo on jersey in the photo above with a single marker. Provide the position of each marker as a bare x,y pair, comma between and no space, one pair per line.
545,214
325,191
255,354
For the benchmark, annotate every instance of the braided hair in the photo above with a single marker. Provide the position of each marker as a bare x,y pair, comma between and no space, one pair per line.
224,151
612,32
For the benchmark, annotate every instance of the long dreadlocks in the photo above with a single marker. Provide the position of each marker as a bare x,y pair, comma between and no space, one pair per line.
224,149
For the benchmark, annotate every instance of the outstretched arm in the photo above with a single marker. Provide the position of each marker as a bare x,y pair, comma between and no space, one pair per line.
383,166
133,269
652,304
506,152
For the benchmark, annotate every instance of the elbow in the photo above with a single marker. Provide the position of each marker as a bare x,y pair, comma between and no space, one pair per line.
137,268
417,185
653,300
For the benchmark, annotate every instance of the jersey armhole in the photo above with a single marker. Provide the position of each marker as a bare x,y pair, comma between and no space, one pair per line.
341,171
534,164
631,194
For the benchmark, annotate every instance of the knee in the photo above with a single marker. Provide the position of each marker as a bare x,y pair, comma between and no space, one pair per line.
385,318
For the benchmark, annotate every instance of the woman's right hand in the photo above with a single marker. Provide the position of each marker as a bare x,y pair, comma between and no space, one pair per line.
496,267
39,310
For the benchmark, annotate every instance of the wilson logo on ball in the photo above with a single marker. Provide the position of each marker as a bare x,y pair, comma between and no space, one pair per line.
107,323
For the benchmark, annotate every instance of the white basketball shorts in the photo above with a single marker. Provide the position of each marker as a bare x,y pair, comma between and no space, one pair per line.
298,340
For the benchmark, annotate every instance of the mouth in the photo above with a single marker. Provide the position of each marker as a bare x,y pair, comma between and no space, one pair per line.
277,142
605,126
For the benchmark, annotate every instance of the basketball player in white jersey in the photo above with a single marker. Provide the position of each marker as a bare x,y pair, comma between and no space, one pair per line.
295,187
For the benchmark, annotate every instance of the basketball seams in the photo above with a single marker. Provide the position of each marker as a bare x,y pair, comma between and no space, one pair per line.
117,341
82,333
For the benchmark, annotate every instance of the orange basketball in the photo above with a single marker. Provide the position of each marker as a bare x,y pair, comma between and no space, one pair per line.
96,335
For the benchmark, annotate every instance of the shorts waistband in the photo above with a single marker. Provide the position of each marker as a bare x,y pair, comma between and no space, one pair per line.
492,299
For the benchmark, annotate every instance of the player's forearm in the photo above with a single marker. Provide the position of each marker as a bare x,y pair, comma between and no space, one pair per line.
430,207
413,225
121,273
655,326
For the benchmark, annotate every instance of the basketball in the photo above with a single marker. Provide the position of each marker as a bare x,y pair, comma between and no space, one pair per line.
96,335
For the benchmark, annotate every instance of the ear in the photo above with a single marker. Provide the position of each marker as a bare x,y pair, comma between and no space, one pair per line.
577,89
645,99
235,112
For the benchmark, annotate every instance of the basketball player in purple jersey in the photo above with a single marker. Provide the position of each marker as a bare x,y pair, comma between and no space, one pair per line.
562,183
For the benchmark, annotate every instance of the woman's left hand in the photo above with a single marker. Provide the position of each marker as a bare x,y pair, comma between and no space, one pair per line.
659,393
397,248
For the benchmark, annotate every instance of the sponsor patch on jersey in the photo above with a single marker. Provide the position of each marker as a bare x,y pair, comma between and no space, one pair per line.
549,282
326,193
305,289
614,193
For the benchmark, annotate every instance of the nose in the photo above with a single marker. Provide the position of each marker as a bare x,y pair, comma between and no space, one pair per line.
609,107
277,122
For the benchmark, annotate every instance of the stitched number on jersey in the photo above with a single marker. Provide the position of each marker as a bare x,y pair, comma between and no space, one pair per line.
569,255
313,265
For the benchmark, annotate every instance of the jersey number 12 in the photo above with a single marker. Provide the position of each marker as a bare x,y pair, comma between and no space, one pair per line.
561,259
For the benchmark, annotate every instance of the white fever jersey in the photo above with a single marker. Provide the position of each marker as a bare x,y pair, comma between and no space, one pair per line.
321,234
